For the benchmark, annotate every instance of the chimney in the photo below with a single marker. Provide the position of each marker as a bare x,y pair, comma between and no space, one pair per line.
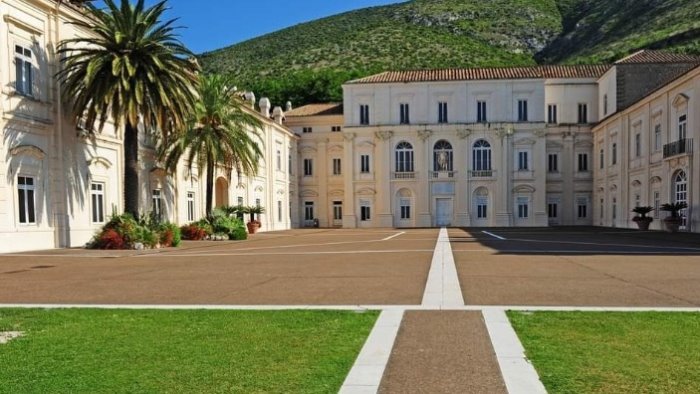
289,106
278,114
265,107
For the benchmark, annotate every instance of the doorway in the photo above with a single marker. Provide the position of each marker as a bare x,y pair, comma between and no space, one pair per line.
444,212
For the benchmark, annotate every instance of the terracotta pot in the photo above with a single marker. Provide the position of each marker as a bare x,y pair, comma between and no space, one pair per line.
643,223
253,227
673,225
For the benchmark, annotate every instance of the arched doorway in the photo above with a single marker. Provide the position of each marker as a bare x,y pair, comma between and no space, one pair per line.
221,188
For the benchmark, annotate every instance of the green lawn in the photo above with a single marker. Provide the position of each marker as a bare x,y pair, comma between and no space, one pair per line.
613,352
119,351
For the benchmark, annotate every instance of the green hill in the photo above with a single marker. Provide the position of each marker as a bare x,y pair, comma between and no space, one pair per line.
308,62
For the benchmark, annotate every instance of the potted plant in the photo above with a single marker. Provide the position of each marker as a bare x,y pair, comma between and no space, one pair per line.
254,224
643,221
673,222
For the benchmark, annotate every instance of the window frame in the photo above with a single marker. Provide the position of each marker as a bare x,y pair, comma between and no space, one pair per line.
191,206
97,202
523,110
552,115
26,200
24,67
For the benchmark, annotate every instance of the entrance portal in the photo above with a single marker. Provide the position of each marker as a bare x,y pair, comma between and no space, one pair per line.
443,212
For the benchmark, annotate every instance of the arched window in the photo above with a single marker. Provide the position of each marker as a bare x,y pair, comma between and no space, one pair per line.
481,154
404,157
442,156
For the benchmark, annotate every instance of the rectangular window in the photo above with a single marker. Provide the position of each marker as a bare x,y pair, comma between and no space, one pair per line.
442,112
308,167
279,160
482,207
614,154
23,70
605,104
552,114
336,129
257,202
337,210
365,213
552,210
307,130
290,168
240,201
602,159
337,167
583,162
582,207
26,204
583,113
364,164
309,211
481,111
523,163
637,201
682,127
602,209
657,137
280,214
97,199
364,114
657,204
523,208
638,145
404,114
405,205
156,203
191,217
553,163
522,111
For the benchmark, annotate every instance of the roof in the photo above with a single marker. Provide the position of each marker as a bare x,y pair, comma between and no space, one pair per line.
494,73
327,109
658,57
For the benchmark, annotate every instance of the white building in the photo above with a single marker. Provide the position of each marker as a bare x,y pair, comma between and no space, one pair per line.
57,186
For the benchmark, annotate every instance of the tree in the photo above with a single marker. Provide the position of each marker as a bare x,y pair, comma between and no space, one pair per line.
130,69
221,134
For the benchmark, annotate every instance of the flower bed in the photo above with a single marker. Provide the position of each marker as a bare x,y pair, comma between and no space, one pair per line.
125,232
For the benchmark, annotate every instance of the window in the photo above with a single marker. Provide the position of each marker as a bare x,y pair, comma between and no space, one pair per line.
365,212
157,203
482,207
657,204
336,129
605,104
682,127
602,209
308,167
337,167
364,164
404,114
404,157
552,210
614,209
637,201
614,154
290,168
583,162
523,207
680,189
523,164
23,70
657,137
481,154
307,130
553,163
309,211
240,201
337,210
582,207
522,111
442,112
191,206
405,205
638,145
364,114
481,111
552,114
279,160
257,202
280,214
583,113
442,156
27,209
97,199
602,159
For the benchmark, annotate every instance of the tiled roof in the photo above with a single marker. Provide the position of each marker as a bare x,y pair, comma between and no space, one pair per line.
656,57
473,74
316,110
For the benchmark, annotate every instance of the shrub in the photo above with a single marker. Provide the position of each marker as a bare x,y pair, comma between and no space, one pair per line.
147,237
108,239
170,235
239,234
193,232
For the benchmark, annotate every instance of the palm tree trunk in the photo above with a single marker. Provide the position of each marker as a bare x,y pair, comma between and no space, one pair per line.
210,184
131,170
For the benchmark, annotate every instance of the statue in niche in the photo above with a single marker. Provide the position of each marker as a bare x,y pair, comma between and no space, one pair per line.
442,161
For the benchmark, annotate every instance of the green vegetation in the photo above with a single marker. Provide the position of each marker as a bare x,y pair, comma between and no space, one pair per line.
124,232
308,62
110,351
613,352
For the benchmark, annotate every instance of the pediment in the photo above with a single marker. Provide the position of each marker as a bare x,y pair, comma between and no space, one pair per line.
307,149
28,150
335,148
524,189
554,145
583,144
655,180
525,141
101,161
680,99
366,144
336,193
367,191
308,193
259,189
636,183
159,171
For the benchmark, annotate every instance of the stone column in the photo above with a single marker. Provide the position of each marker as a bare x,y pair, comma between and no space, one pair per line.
382,178
349,214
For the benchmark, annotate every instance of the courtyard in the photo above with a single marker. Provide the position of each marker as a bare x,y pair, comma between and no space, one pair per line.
442,295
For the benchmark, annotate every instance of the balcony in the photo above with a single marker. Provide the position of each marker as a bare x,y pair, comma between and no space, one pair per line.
680,147
402,176
482,174
443,174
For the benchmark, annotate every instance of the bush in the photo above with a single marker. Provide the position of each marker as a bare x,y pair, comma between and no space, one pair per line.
123,232
170,235
147,237
240,234
193,232
109,239
223,223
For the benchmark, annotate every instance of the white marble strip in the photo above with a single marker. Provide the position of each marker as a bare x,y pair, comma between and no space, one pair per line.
494,235
367,372
519,375
442,289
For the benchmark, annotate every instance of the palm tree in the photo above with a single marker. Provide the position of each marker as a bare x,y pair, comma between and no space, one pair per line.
131,69
221,134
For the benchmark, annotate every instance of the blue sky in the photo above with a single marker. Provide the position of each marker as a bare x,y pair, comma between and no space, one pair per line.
213,24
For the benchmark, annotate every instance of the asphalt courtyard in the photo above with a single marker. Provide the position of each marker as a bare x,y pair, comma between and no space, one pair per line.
508,267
